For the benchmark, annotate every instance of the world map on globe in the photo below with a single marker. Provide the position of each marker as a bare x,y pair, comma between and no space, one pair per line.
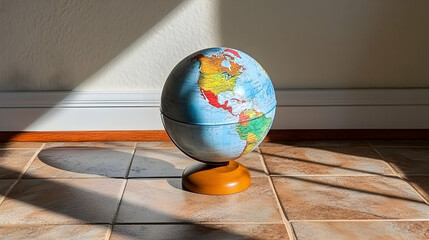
218,104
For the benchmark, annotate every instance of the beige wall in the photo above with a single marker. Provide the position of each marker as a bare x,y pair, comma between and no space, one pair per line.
132,45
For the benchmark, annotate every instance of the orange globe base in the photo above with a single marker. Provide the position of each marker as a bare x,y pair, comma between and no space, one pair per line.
216,179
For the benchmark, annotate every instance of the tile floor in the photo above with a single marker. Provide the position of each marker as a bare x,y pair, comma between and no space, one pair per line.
300,190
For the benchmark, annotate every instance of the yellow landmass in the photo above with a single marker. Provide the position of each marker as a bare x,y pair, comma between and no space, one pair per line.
252,113
216,82
251,142
216,78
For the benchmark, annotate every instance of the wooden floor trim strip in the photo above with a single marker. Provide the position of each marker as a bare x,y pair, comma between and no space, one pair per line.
84,136
347,134
273,135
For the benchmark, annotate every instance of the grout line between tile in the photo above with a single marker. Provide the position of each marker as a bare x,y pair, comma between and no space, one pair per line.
416,190
261,158
123,188
91,148
397,173
22,173
149,223
74,177
199,222
287,224
31,161
155,177
133,154
109,232
387,162
241,223
118,178
56,224
335,175
102,177
282,213
364,220
6,148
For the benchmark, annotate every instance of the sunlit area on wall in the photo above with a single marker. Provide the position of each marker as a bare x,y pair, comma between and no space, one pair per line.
145,64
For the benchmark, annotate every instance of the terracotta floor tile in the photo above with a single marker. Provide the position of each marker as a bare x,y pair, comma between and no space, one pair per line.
43,232
158,208
159,163
200,231
253,162
163,200
399,143
170,162
156,145
362,230
324,161
61,201
331,143
20,144
80,163
315,144
370,197
13,161
407,161
421,183
5,184
276,144
91,144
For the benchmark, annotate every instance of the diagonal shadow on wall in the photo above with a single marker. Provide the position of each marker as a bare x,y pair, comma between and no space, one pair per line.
57,45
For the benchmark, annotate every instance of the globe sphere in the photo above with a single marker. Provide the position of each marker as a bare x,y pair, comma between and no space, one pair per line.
217,104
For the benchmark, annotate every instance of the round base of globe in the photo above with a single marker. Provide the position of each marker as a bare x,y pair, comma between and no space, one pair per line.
215,179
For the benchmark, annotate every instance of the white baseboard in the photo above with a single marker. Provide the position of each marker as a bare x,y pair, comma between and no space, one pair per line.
297,109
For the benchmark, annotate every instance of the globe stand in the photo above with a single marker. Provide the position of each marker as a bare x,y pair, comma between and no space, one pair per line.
216,179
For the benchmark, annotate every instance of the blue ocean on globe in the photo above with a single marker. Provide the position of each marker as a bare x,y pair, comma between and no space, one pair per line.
218,104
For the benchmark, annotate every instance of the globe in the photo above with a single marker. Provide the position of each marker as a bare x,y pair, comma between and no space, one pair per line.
217,104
